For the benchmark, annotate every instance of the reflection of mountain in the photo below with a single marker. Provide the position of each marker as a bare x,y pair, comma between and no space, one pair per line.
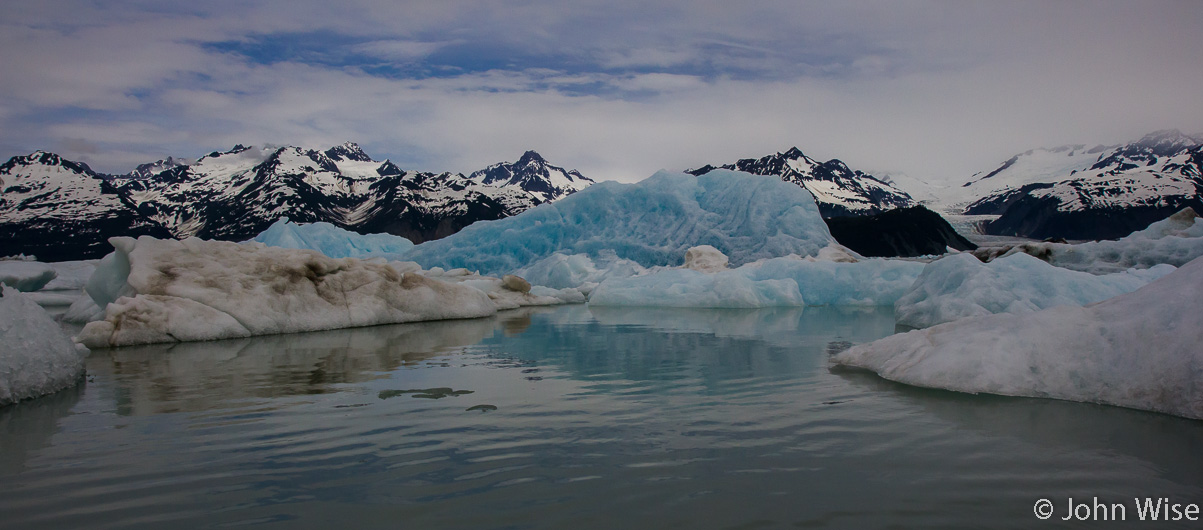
186,376
28,425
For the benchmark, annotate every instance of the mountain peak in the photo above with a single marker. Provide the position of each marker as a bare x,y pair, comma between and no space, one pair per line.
1171,139
793,152
534,175
530,157
348,151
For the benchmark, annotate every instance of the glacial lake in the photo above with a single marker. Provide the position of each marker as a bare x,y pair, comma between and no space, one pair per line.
569,417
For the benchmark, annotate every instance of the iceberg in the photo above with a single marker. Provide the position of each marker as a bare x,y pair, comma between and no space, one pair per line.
1139,350
777,282
331,240
36,357
652,223
25,276
561,270
154,290
692,288
70,275
960,286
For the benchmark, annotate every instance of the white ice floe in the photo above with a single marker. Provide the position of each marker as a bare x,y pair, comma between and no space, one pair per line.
1140,350
960,285
777,282
652,223
331,240
36,357
25,276
70,275
164,290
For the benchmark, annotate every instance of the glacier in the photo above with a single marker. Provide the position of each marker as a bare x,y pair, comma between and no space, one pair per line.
154,290
1174,240
652,223
839,279
331,240
36,357
960,285
1138,350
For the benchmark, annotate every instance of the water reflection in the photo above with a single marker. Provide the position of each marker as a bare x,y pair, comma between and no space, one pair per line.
569,417
186,376
1168,444
29,425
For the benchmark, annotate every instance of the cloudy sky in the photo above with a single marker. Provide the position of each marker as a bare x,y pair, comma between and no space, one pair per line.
614,88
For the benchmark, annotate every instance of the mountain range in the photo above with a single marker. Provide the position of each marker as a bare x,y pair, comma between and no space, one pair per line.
1080,192
59,209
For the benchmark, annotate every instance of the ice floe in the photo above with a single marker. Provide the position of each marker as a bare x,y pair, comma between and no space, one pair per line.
36,357
163,291
1140,350
960,285
24,275
776,282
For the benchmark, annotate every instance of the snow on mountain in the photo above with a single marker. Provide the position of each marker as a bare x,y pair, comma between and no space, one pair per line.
158,166
55,208
837,189
533,174
1097,193
49,202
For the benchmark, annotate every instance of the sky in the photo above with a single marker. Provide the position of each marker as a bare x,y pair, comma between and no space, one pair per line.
617,89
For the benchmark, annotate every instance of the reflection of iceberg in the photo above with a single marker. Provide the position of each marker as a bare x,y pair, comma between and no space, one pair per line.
1140,350
645,347
198,376
28,426
1159,442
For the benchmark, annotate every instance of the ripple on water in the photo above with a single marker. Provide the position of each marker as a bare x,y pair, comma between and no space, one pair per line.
567,417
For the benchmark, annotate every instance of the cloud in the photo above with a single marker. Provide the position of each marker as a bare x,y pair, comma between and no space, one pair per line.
616,89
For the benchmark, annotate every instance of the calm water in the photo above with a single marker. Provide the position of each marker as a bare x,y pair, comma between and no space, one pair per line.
576,418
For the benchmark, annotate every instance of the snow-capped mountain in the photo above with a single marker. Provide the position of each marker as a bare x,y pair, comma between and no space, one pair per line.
1075,192
59,209
55,209
534,175
838,189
